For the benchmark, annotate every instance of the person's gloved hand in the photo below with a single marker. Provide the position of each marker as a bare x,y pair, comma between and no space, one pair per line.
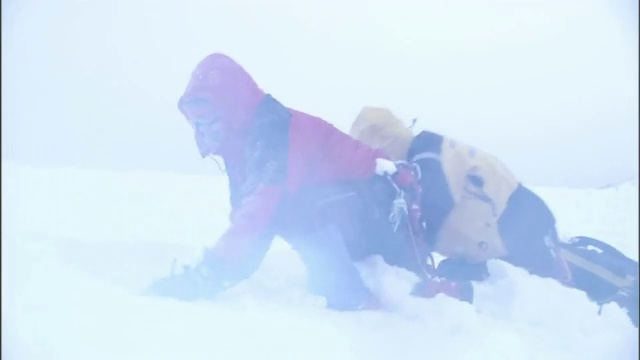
385,167
205,280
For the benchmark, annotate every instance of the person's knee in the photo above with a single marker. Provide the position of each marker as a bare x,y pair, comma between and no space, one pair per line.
330,269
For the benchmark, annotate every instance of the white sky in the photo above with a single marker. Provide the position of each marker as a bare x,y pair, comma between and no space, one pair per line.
550,87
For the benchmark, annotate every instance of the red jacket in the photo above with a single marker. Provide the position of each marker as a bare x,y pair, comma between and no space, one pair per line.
269,150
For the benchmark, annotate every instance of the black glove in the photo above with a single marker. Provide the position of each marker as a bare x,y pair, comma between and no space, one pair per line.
461,270
203,281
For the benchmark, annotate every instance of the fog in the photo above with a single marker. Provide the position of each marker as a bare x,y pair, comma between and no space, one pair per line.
550,87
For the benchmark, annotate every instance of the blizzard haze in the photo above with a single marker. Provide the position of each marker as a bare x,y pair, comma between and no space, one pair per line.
550,87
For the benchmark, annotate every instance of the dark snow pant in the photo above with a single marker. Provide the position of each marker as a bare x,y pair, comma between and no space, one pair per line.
333,227
319,225
330,268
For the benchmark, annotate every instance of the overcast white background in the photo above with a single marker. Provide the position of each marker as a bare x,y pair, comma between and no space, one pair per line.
550,87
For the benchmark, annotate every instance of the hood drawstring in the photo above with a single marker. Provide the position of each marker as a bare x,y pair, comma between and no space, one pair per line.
220,167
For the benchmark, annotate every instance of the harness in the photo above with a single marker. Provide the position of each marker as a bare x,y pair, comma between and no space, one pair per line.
406,212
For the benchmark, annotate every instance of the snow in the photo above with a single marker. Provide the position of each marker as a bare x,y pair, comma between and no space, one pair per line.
94,84
78,246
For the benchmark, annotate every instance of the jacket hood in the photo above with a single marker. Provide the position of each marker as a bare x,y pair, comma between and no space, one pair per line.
227,86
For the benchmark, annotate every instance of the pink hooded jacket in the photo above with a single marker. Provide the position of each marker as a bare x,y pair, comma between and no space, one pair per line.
317,153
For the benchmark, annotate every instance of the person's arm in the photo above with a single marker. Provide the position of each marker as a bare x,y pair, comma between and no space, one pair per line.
257,195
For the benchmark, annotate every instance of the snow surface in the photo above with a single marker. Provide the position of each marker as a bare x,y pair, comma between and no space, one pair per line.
79,245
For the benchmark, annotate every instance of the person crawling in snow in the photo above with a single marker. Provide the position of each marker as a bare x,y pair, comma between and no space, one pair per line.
291,175
476,210
473,206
